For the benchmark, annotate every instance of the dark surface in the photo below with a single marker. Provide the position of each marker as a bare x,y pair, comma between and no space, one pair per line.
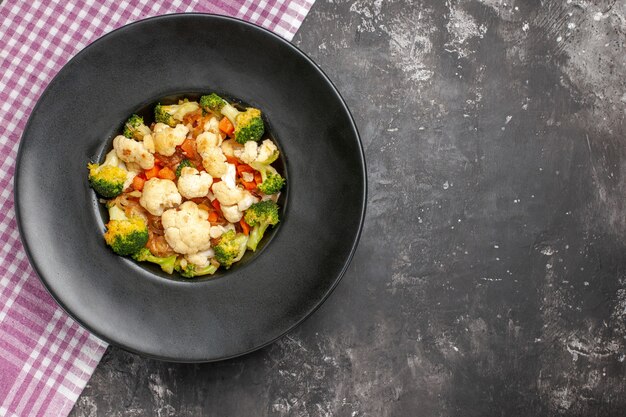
491,277
254,302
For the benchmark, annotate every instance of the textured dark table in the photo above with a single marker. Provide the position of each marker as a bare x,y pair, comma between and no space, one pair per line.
491,275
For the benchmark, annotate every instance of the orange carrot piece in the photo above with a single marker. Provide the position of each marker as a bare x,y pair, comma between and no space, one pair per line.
232,160
244,227
152,172
213,216
226,126
244,168
216,205
138,183
249,185
189,148
258,178
166,173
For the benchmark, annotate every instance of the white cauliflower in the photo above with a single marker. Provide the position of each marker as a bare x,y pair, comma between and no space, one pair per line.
230,176
166,138
229,146
207,140
214,161
232,213
193,184
200,259
247,176
248,153
212,125
247,200
217,231
159,195
148,143
129,150
187,228
132,169
227,196
267,153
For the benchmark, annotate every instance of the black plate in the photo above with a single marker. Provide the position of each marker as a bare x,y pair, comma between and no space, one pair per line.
137,308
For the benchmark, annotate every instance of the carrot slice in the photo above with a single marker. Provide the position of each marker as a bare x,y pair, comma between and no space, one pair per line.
244,168
216,205
138,183
152,172
166,173
213,216
244,227
258,178
189,148
226,126
232,160
249,185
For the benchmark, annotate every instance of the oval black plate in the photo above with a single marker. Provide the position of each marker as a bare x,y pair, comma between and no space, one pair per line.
249,306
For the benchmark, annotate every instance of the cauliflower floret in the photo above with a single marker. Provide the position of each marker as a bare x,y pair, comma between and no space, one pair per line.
212,125
230,176
187,228
214,162
129,150
247,200
232,213
132,170
166,138
227,196
217,231
193,184
248,153
247,176
148,143
267,151
159,195
201,258
207,140
229,147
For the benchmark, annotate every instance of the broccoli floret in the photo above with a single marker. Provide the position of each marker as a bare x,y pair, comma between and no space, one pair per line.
231,248
248,124
272,182
135,128
167,264
174,113
184,163
260,216
192,270
125,235
108,178
212,103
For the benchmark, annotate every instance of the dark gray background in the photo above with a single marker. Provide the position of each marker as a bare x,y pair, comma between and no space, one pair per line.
491,277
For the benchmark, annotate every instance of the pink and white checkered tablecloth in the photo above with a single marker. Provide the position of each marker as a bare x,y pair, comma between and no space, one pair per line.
45,357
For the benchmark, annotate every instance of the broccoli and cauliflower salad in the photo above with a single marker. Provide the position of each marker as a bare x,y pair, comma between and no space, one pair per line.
193,191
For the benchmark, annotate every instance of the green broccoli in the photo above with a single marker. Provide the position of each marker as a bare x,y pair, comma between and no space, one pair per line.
192,270
248,124
167,264
125,235
174,113
212,103
260,216
231,248
134,128
107,179
184,163
272,182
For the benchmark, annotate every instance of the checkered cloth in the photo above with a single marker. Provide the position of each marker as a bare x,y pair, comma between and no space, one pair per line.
45,357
